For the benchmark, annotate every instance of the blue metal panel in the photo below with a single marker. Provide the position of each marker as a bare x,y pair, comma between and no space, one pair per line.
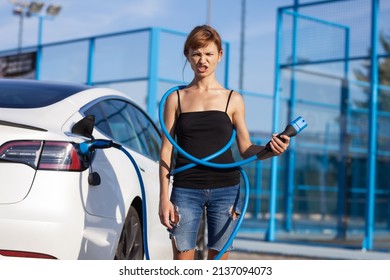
290,165
258,186
153,72
321,21
270,235
39,49
343,163
315,3
290,162
372,149
91,53
344,168
388,204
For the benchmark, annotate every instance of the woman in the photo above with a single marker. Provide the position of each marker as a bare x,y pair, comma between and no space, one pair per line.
202,117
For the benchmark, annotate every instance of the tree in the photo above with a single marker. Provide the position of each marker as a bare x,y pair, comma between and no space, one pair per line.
363,74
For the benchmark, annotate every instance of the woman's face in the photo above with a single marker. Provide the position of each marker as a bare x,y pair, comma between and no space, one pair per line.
204,61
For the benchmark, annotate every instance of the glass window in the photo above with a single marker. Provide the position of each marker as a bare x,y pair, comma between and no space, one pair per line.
137,91
147,132
127,125
32,94
101,122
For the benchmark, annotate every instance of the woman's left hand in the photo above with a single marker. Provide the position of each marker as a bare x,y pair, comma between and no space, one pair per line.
278,147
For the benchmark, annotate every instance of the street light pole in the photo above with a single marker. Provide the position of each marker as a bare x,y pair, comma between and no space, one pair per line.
242,45
208,19
20,37
39,50
40,29
20,9
27,9
51,12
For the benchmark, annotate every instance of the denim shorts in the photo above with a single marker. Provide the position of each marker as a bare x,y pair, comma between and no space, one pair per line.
220,204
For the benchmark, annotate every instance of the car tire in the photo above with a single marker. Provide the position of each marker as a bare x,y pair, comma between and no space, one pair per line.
130,245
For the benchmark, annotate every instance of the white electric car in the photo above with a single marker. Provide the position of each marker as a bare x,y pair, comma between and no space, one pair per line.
58,203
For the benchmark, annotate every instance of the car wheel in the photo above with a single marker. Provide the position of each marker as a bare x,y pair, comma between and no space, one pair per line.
130,246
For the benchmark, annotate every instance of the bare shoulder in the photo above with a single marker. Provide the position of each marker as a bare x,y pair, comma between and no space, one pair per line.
236,107
236,94
236,99
172,98
172,102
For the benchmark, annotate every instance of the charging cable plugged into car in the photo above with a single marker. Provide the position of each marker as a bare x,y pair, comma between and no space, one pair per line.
88,147
291,130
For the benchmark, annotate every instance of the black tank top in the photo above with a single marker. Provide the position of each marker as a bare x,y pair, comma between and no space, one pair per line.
202,134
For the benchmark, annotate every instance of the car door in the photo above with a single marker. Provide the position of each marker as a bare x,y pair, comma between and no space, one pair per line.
118,180
151,142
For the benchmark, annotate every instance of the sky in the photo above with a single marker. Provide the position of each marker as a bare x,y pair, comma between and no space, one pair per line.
85,18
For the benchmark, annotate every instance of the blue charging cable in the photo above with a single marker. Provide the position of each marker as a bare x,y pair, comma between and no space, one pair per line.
90,146
291,130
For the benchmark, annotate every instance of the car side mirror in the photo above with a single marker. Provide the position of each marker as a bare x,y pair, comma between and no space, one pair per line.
84,127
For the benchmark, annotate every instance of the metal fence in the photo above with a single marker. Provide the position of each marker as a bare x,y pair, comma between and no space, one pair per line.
332,68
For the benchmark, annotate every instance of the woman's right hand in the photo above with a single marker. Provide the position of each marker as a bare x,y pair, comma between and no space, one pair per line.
167,213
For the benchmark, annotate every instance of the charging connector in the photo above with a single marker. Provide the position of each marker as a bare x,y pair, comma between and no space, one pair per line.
89,146
291,130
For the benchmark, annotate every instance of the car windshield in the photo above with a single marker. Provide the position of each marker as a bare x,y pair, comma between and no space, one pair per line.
33,94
